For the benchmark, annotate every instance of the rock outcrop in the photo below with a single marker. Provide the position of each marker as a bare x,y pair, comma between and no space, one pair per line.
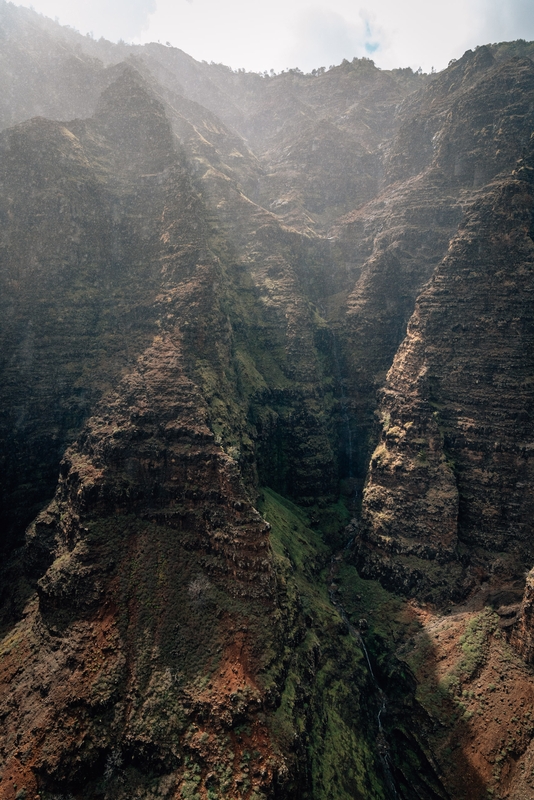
448,481
522,635
81,255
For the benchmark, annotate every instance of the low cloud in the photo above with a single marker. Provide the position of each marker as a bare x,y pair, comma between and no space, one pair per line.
113,19
324,37
297,33
508,20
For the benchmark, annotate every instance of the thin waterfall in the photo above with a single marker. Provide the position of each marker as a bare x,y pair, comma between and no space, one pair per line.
381,741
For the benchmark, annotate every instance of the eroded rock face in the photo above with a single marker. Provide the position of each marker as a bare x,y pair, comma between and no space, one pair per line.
205,279
157,597
394,243
159,628
450,475
522,634
151,561
81,263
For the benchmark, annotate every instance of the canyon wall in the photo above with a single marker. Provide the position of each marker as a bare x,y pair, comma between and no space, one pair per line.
266,357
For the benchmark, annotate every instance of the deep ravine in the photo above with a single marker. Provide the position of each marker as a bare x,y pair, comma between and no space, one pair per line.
380,697
316,289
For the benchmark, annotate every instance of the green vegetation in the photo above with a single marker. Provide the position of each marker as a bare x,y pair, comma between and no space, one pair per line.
519,48
323,706
475,643
367,598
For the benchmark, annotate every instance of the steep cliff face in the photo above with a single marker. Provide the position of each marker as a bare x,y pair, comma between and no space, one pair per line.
469,120
204,280
154,607
522,634
81,255
159,628
447,482
393,244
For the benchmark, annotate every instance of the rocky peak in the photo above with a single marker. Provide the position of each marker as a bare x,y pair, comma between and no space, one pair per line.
135,124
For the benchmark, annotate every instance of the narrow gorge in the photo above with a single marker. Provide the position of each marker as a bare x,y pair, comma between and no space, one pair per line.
267,425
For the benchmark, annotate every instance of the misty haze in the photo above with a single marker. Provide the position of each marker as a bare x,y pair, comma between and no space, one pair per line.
266,408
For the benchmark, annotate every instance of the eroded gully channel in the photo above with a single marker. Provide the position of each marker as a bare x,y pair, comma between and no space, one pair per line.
382,745
383,748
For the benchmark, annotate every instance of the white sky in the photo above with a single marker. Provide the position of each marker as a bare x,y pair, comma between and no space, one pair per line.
276,34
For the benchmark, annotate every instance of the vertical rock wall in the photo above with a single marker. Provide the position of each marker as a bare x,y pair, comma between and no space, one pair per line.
452,469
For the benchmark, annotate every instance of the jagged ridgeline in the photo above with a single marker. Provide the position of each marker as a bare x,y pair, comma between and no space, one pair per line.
267,375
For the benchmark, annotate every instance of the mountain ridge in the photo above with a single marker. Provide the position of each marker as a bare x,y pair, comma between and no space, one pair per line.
258,577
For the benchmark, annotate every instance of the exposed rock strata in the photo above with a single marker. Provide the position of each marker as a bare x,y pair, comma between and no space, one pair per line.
153,569
448,480
461,133
523,631
178,326
80,273
154,540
